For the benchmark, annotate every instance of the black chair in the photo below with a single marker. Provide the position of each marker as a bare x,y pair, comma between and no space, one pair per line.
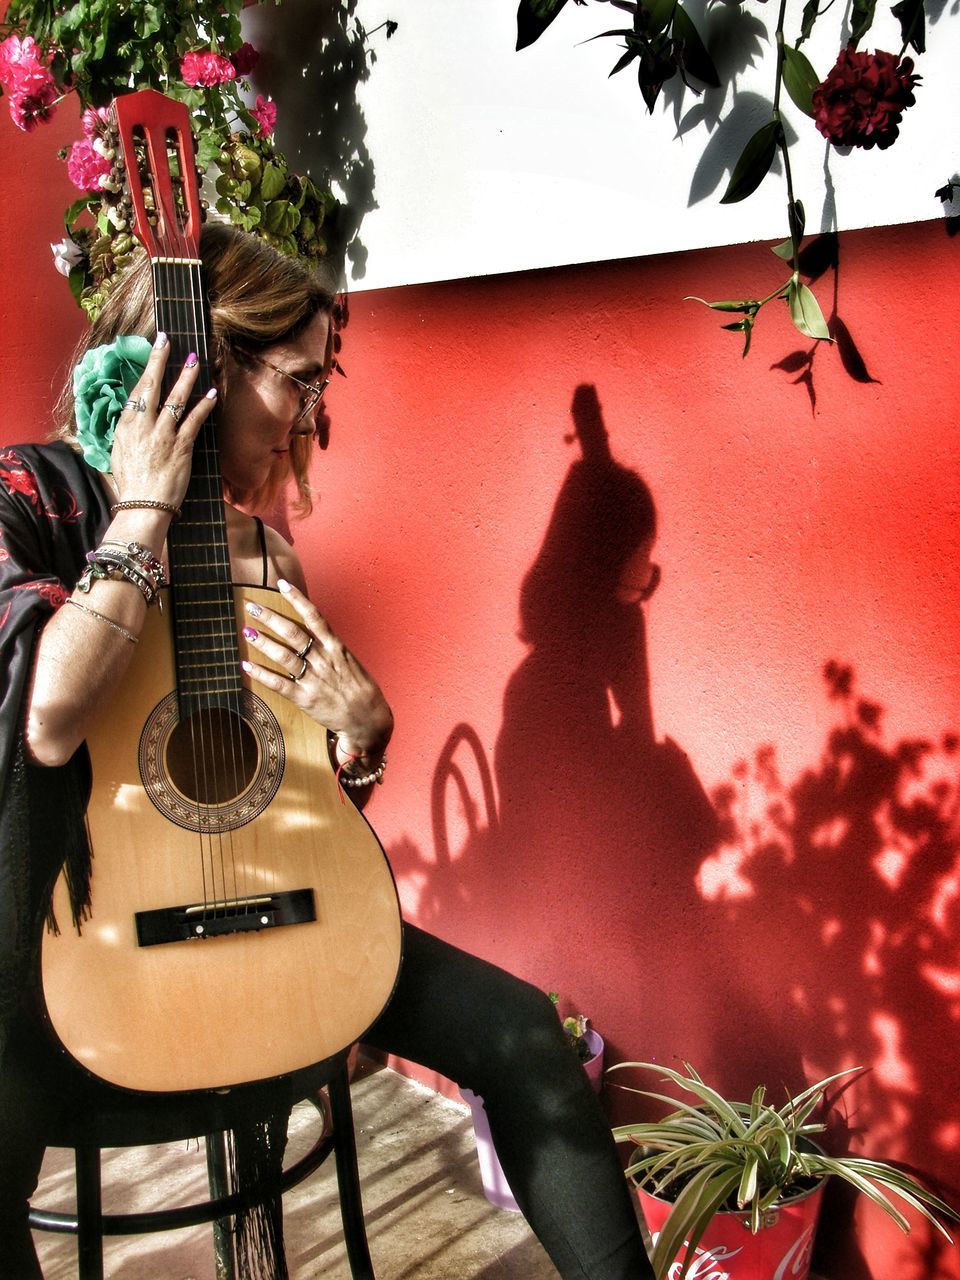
100,1116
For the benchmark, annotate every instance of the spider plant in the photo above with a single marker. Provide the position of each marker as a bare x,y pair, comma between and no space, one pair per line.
711,1155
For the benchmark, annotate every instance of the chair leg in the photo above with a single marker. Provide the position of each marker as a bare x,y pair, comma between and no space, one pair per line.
348,1178
89,1214
216,1145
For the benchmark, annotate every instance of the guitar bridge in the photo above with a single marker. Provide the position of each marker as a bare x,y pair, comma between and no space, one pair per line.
232,915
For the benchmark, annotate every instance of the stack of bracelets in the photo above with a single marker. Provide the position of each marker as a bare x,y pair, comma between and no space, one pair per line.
129,560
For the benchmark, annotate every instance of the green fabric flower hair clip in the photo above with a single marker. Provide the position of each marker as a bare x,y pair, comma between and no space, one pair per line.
102,382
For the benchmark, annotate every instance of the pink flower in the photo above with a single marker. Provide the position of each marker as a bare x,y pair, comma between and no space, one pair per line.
863,98
206,69
94,121
33,109
86,166
266,113
28,81
24,71
245,59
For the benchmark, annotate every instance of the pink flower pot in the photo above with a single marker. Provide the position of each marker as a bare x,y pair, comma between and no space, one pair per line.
729,1250
495,1185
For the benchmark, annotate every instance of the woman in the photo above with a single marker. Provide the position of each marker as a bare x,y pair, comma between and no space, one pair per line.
271,354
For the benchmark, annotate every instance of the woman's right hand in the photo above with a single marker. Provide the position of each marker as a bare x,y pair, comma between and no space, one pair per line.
153,445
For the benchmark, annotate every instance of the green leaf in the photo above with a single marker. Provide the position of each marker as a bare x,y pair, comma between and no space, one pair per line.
694,1207
909,13
659,13
811,11
748,305
633,51
754,163
533,18
73,213
280,218
861,19
77,280
694,57
208,150
272,182
799,78
797,217
805,311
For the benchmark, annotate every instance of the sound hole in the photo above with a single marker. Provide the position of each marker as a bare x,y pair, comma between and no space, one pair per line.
212,756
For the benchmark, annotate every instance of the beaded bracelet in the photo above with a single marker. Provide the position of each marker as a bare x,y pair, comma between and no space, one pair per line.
144,504
362,780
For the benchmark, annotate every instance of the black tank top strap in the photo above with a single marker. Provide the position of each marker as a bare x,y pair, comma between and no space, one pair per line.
262,543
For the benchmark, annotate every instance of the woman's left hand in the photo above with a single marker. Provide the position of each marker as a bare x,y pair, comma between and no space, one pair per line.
321,676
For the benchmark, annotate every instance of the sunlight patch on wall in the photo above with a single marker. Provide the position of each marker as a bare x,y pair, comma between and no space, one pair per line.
891,1067
720,880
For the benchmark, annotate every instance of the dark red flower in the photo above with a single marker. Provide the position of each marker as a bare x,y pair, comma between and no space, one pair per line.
863,98
244,59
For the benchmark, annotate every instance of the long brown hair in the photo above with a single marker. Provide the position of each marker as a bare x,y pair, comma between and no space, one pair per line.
258,297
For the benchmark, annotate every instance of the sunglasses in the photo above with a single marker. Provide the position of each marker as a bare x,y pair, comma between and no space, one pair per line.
311,392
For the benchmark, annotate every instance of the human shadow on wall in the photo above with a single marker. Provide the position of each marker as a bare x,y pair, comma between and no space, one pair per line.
313,57
844,882
577,718
594,827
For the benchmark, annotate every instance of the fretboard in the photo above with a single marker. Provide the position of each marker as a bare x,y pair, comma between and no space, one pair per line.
204,623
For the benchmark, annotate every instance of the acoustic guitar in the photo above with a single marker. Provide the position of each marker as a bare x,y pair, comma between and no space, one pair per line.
245,921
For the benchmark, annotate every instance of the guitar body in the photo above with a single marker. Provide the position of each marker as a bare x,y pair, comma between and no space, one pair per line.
236,935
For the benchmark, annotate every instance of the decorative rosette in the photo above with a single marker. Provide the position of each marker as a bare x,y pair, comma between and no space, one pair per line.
102,381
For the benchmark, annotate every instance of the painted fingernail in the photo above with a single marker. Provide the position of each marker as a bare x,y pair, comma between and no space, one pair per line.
247,666
249,633
283,584
253,609
191,361
212,393
161,341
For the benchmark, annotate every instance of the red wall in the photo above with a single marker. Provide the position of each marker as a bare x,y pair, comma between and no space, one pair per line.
545,802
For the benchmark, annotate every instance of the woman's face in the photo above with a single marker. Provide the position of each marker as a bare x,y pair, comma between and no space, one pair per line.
258,416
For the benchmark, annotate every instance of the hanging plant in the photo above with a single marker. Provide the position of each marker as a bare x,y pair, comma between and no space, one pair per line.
193,51
860,103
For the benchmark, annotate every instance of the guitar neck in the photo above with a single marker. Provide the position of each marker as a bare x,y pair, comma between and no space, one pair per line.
204,626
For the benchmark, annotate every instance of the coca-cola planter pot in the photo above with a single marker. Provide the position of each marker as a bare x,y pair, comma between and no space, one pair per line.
728,1250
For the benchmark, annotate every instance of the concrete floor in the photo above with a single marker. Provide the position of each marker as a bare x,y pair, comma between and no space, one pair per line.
425,1212
426,1216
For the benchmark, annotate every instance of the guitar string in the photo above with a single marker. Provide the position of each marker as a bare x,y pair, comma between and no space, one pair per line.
216,576
185,321
230,675
166,291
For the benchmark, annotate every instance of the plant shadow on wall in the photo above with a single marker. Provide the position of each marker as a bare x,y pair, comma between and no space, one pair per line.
817,258
846,881
313,58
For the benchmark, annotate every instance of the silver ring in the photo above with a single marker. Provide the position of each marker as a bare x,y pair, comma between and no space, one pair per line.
138,406
302,653
301,673
175,409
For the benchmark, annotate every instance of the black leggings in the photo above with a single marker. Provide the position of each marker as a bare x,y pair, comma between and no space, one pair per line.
489,1032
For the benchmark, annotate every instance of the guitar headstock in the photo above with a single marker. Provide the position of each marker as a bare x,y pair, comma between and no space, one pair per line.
157,148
